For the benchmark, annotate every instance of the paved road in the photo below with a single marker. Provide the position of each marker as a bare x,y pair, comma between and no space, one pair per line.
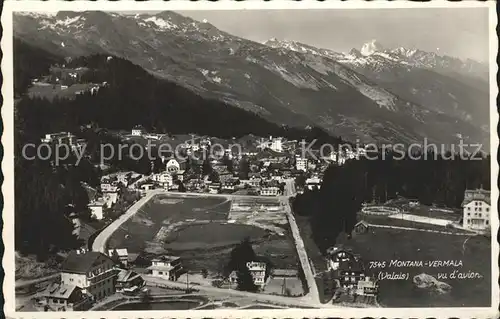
280,300
313,294
312,298
102,239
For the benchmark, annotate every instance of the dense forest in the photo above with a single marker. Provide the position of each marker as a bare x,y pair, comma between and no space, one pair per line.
433,180
29,63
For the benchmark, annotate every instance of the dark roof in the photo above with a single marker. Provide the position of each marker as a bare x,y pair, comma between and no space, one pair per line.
350,266
80,263
58,291
361,222
477,194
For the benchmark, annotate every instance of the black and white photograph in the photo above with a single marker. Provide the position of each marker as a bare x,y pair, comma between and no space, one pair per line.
220,158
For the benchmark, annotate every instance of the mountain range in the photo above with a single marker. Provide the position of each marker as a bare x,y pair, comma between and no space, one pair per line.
372,94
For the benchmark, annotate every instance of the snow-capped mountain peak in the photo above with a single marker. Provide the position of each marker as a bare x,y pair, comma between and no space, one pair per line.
371,47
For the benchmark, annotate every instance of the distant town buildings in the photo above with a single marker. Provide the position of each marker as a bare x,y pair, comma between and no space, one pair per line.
269,191
367,286
97,208
313,183
301,163
476,209
65,138
138,130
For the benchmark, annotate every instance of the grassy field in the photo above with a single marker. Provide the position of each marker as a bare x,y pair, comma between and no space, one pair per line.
386,245
196,229
385,220
51,91
427,211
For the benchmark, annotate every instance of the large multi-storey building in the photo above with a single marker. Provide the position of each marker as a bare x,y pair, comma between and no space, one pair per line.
476,209
91,271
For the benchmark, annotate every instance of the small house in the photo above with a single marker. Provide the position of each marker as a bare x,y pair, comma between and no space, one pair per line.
128,279
367,287
62,297
167,267
361,227
119,255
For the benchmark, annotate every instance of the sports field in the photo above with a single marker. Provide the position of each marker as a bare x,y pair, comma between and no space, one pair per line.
203,230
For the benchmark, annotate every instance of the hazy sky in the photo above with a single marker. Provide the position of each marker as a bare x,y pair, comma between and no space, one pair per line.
460,32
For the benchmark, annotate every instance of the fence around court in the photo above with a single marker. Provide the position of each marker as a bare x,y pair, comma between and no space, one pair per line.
380,210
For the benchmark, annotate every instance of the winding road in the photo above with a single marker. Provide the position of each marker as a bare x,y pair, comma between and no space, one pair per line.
311,299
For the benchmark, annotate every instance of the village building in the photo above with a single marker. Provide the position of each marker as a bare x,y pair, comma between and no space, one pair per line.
269,191
174,166
165,179
119,255
62,297
367,287
313,183
338,254
361,227
214,188
301,164
138,130
258,272
60,138
349,273
109,184
167,267
146,187
476,209
276,144
97,208
128,280
124,178
91,271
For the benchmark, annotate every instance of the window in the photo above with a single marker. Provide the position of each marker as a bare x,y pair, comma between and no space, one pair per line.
479,214
468,214
480,209
468,208
487,209
487,222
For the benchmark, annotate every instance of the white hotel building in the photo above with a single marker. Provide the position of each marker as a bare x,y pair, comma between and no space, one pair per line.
477,209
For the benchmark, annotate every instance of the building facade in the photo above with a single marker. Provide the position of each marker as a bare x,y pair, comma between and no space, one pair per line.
301,164
167,267
477,209
269,191
258,272
61,297
91,271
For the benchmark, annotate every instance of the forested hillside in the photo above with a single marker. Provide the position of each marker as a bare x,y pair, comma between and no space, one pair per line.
434,179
